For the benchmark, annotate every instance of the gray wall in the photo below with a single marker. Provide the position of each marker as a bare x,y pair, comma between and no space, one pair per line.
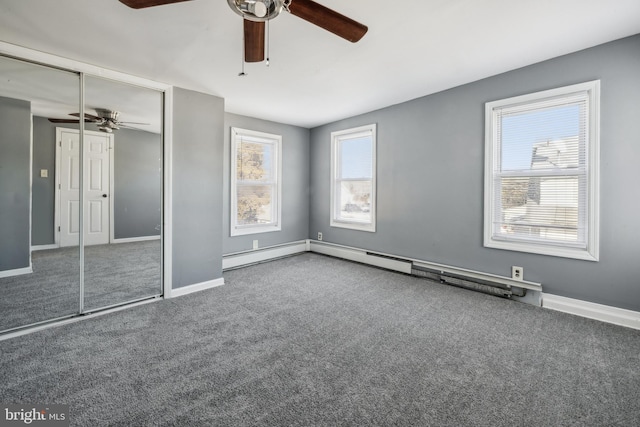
137,182
44,196
430,177
137,204
295,184
198,145
15,186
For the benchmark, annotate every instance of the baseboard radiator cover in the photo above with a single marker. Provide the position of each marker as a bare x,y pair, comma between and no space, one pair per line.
256,256
505,287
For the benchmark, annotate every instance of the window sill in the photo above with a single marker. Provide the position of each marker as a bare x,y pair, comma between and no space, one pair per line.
354,225
254,230
556,251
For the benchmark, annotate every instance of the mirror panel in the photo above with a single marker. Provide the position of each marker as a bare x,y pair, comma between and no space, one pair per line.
39,255
123,193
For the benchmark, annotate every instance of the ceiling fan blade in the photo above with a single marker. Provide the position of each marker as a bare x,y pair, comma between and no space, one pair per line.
141,4
253,41
87,117
67,121
328,19
120,125
132,123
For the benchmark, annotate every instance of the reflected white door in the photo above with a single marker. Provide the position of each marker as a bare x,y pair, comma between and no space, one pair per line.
96,186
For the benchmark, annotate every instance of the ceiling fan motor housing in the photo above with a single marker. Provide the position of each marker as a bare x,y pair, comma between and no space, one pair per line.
257,10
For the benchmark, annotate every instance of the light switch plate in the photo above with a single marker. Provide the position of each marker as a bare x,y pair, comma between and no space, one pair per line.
44,173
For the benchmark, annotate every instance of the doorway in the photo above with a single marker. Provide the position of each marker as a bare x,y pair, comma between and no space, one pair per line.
97,188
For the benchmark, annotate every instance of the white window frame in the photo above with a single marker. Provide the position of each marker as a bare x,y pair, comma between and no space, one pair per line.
237,134
591,92
336,138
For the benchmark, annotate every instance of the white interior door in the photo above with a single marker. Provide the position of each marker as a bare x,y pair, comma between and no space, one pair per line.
96,186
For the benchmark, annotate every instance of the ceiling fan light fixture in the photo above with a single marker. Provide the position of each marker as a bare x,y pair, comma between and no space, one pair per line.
105,129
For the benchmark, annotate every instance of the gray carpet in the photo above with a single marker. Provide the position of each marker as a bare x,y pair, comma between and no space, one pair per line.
315,341
113,274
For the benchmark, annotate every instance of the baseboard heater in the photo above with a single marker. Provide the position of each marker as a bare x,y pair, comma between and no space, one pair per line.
474,284
486,287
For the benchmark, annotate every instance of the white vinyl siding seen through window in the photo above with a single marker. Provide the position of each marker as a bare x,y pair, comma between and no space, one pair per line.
353,178
541,172
255,182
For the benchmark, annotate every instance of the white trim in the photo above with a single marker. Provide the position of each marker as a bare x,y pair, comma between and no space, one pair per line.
264,254
30,190
44,247
167,195
592,251
603,313
197,287
358,132
16,272
56,189
112,186
264,138
136,239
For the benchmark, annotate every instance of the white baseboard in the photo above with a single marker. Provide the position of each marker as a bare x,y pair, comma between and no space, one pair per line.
263,254
136,239
44,247
16,272
604,313
197,287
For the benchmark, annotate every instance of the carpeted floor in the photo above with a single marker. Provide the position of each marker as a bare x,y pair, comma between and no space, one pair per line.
315,341
113,274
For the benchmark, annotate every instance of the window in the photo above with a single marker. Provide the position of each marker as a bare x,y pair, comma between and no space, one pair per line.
353,178
255,182
541,172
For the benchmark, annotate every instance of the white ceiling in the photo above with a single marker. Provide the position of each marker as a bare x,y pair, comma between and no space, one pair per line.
413,47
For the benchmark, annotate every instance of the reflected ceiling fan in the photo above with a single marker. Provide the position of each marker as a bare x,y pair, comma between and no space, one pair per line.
106,120
257,12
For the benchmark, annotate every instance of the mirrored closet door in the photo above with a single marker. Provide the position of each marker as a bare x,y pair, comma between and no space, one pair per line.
39,276
123,193
60,175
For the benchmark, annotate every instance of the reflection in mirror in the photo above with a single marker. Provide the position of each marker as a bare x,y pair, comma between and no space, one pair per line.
39,268
123,193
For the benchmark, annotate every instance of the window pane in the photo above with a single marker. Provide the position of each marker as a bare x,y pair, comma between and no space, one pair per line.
355,200
540,208
543,138
254,161
356,158
255,204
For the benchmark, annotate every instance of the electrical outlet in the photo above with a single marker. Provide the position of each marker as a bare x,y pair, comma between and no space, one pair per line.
517,273
255,244
319,236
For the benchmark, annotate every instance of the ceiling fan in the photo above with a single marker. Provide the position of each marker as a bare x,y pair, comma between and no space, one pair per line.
106,120
257,12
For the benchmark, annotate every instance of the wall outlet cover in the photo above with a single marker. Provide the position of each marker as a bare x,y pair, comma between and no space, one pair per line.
517,273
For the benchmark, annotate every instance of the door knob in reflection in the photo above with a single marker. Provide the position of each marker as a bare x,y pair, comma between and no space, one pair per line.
104,195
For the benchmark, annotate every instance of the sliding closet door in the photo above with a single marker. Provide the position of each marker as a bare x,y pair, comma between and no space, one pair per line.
123,193
39,195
